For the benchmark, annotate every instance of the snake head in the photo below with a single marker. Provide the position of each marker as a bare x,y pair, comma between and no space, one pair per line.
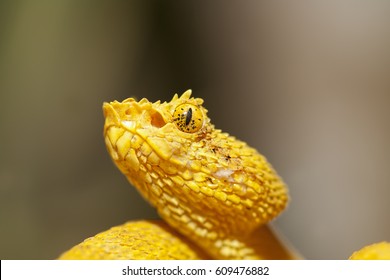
202,181
168,128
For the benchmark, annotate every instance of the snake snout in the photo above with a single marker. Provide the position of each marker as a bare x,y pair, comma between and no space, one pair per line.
108,110
111,114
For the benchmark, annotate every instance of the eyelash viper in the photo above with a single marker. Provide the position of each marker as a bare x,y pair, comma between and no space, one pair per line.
214,193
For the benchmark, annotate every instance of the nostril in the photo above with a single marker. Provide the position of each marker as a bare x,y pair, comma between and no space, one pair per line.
157,120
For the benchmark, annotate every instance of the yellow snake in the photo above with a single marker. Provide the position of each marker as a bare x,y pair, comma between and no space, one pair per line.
214,192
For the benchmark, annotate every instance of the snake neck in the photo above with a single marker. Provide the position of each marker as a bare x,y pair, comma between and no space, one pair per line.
262,243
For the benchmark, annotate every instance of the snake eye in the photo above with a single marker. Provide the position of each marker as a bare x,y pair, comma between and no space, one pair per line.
188,118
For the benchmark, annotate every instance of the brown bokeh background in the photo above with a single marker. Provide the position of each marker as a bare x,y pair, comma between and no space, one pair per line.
306,83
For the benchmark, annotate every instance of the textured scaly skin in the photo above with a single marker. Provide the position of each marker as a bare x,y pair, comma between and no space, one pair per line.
376,251
215,193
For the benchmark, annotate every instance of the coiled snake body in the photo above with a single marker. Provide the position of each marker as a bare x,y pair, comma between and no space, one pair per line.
215,193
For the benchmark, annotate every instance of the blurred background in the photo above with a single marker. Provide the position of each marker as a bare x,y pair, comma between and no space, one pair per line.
306,83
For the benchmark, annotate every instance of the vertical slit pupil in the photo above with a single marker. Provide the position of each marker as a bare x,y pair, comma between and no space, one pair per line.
188,116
